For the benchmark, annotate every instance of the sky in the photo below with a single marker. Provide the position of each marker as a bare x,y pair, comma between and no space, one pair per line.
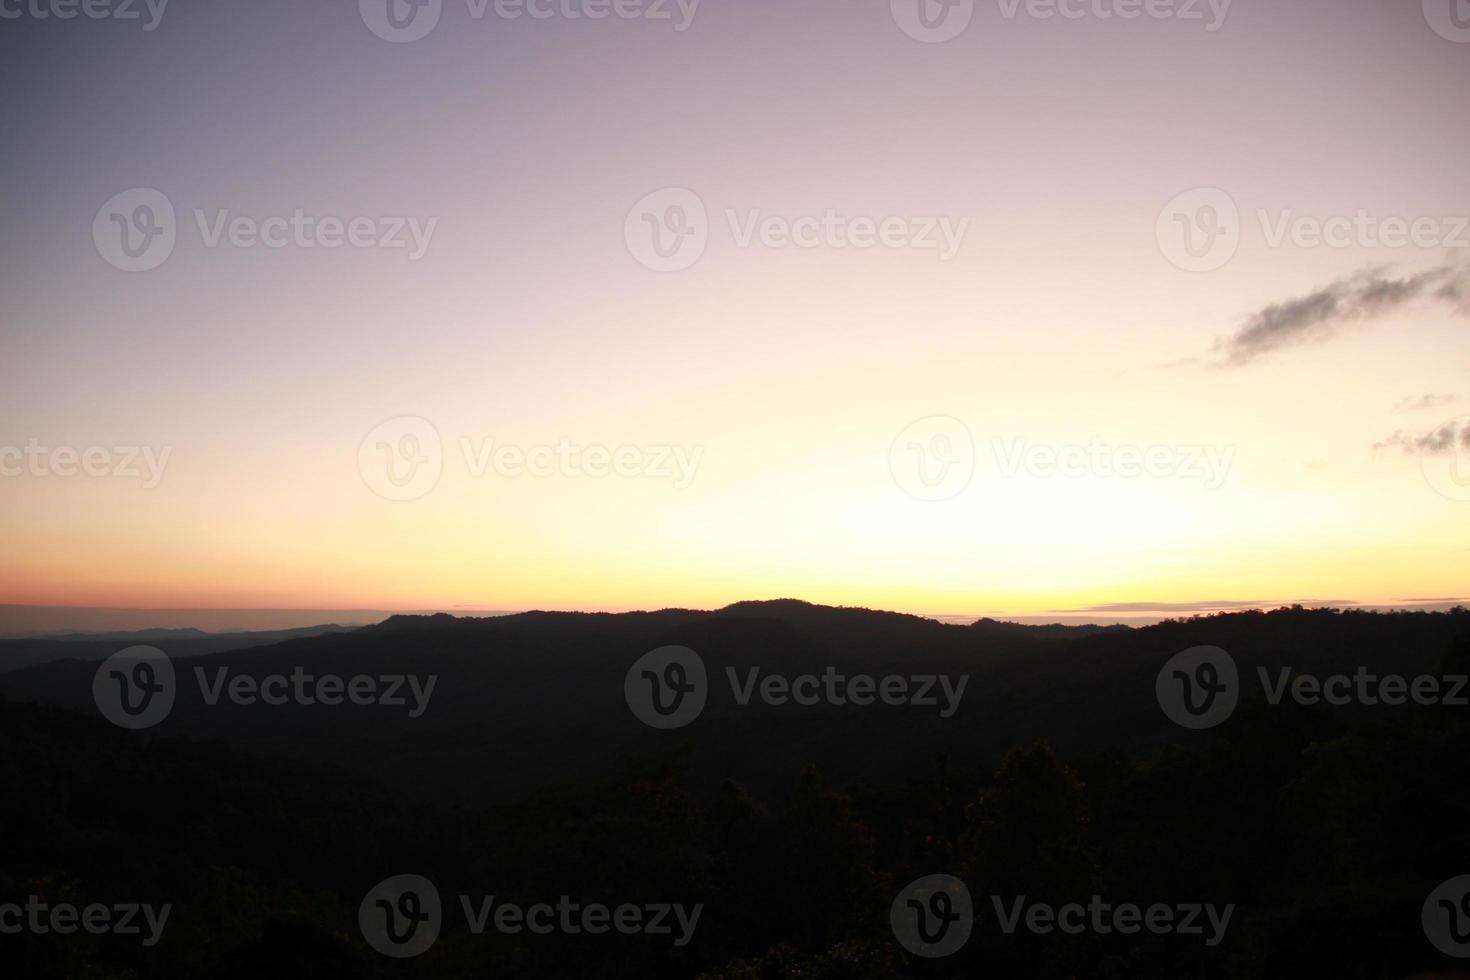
958,310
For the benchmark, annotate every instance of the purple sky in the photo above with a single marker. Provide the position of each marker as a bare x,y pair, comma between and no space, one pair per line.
1054,142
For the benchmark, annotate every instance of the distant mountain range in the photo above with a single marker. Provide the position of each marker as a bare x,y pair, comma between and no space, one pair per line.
535,700
17,652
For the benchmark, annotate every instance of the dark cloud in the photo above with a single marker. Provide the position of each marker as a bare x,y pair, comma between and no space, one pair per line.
1318,316
1457,292
1437,442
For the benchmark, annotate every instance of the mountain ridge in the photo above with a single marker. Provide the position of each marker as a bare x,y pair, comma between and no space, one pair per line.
556,681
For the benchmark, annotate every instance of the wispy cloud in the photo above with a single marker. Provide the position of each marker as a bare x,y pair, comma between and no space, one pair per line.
1422,401
1319,316
1204,605
1437,442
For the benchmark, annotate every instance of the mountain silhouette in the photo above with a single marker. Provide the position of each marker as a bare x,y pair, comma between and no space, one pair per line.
555,681
529,777
19,652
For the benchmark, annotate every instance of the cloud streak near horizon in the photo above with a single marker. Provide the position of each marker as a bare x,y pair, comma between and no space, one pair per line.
1205,605
1319,316
1423,401
1437,442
